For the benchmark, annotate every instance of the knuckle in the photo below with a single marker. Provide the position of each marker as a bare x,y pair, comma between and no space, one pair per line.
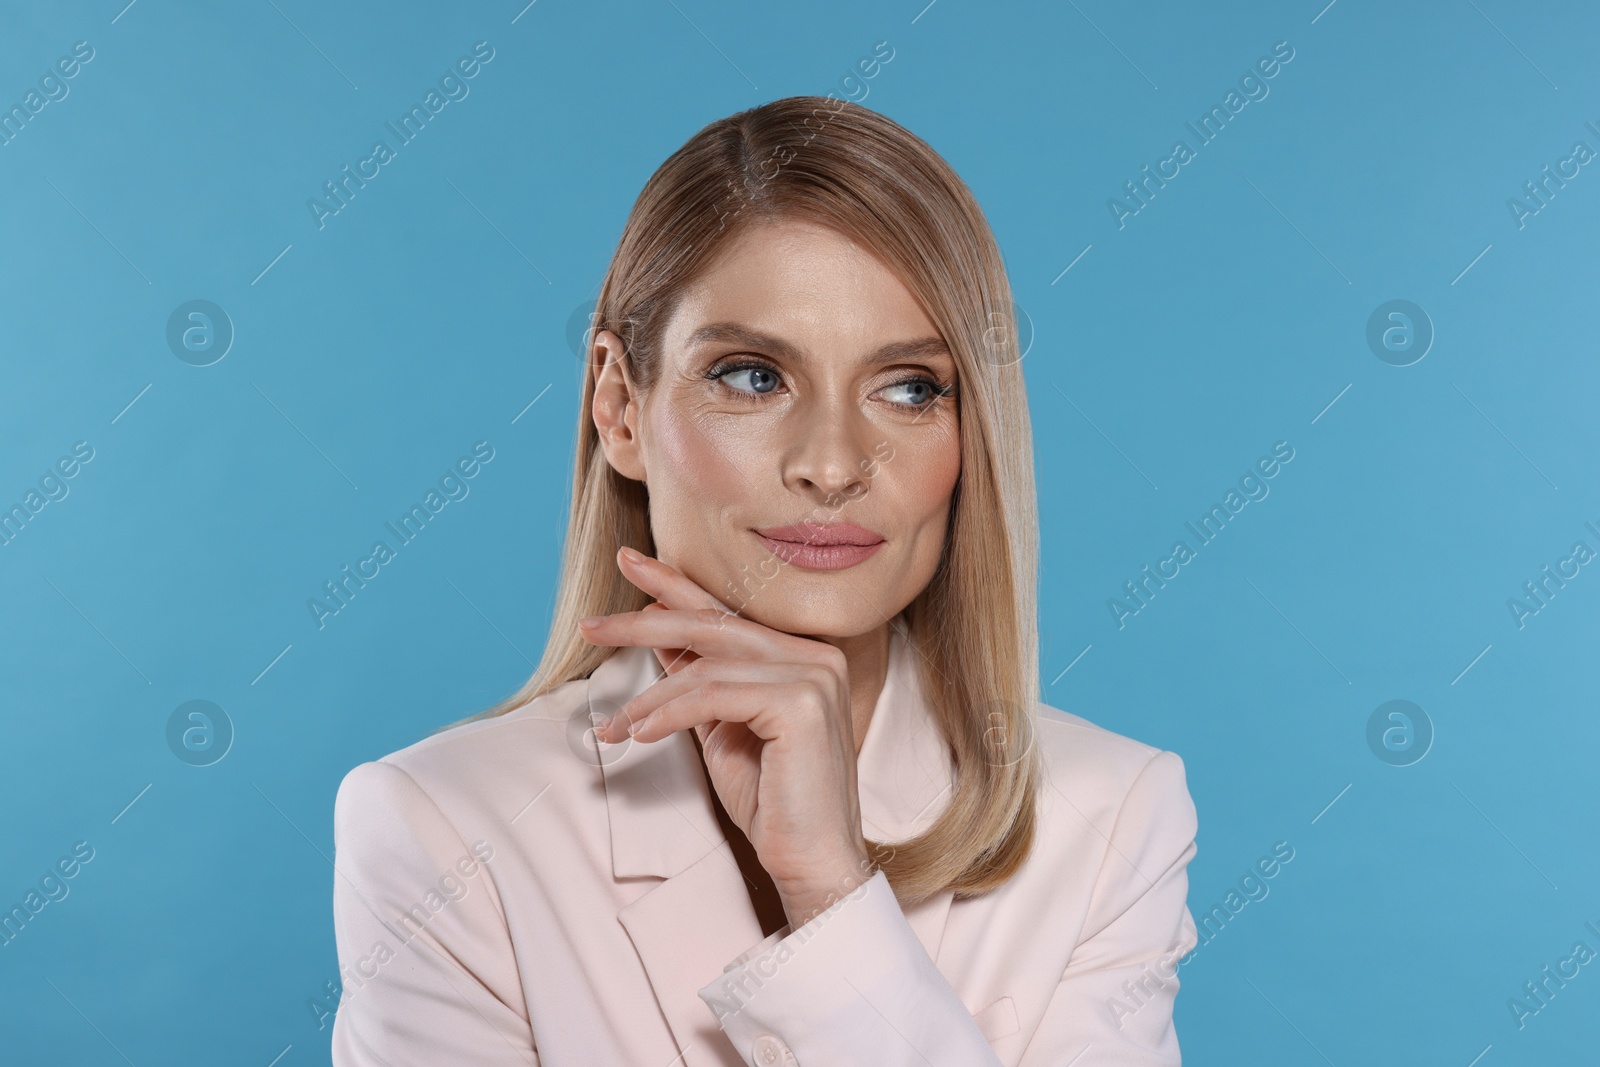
820,689
831,673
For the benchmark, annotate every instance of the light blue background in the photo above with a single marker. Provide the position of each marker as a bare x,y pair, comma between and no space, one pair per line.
1227,315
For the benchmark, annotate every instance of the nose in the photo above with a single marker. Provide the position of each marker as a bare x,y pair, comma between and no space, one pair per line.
829,456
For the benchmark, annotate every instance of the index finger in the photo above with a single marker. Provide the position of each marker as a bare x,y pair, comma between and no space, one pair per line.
667,583
672,660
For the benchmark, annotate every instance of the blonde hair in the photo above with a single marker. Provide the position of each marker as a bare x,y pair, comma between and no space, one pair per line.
839,164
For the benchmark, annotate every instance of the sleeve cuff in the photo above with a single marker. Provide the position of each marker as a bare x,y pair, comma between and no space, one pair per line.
760,947
853,986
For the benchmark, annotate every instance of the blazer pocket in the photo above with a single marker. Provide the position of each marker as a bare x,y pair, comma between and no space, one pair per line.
997,1020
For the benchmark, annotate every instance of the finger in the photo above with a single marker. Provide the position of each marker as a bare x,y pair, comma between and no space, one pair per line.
706,631
722,673
756,704
665,582
672,660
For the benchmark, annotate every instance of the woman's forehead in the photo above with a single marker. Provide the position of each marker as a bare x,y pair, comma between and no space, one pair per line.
807,286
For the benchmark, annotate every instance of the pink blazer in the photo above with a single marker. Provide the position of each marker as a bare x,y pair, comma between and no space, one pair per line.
503,896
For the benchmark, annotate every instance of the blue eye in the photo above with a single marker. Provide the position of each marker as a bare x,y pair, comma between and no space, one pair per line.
931,392
759,379
764,375
929,389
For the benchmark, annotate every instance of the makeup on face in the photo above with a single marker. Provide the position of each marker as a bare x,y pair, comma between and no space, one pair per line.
821,546
806,415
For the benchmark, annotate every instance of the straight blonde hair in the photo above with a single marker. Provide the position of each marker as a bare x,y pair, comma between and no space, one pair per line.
836,163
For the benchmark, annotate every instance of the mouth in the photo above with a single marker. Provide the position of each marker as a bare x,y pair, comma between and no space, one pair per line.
818,547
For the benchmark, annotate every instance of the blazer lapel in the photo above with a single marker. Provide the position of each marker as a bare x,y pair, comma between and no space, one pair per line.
688,928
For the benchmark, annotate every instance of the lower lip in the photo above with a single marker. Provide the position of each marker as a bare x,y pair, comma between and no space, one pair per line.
820,557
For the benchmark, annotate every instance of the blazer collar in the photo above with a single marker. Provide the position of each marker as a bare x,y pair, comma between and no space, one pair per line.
658,802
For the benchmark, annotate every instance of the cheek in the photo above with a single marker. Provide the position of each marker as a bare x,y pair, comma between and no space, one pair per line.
946,464
701,474
696,460
924,473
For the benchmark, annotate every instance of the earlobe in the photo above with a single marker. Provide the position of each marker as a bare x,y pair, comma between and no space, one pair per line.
615,409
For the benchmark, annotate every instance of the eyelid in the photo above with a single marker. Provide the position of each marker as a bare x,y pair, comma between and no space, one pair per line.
739,360
727,365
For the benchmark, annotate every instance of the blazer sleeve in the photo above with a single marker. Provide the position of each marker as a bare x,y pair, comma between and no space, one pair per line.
852,987
1117,992
425,956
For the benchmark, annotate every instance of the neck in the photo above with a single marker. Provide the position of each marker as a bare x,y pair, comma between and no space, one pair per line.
867,657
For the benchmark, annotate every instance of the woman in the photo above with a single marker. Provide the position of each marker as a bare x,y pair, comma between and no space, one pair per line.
800,569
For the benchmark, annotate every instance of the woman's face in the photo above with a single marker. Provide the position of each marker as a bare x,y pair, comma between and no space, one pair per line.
801,386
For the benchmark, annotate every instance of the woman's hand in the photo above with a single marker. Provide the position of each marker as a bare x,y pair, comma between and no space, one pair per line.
773,714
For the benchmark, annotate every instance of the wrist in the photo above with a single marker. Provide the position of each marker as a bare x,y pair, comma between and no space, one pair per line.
804,902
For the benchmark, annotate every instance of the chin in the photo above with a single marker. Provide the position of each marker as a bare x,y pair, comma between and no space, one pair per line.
829,616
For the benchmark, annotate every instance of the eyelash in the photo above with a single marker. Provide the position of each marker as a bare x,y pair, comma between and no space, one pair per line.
940,389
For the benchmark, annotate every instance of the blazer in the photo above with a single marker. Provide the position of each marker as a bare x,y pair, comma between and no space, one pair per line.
506,896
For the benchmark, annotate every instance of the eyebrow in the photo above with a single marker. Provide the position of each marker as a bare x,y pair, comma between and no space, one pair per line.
736,333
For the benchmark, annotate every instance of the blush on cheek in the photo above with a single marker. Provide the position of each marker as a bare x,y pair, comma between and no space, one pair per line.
700,477
920,479
927,468
704,460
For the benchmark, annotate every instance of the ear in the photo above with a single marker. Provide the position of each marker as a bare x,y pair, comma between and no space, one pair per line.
616,407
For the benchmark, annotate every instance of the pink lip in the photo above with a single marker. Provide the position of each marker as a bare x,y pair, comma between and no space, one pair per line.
815,546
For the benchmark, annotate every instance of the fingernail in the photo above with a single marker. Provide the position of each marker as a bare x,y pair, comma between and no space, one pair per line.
631,555
591,620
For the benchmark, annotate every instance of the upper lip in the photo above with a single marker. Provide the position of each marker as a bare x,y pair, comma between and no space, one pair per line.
814,533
